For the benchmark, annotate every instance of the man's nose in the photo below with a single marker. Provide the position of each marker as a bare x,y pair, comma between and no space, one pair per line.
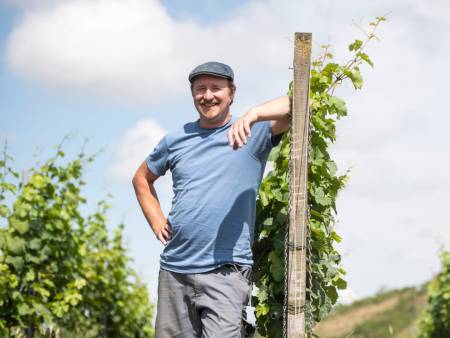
208,95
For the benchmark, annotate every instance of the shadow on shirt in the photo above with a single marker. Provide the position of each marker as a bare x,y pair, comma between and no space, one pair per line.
236,231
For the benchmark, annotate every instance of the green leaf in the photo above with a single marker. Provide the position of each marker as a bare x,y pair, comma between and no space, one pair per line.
4,211
356,78
365,57
79,283
22,209
35,244
338,106
24,309
59,308
8,186
64,216
17,262
340,284
273,155
29,276
41,291
16,245
38,181
336,237
262,295
355,45
263,198
331,292
332,168
261,310
268,221
276,266
82,250
329,71
281,216
21,226
321,198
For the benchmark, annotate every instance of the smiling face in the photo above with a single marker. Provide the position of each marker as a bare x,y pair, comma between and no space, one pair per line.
212,98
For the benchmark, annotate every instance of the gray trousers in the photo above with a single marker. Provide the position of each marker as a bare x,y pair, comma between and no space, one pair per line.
203,305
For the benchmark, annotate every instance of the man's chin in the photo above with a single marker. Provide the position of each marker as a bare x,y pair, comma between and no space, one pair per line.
211,114
213,118
211,111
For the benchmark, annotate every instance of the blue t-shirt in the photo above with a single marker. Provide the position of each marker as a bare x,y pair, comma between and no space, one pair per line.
215,189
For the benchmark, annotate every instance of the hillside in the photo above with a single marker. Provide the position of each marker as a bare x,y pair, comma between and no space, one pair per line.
388,314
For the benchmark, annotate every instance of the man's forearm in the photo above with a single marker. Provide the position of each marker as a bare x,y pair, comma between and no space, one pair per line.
148,200
276,109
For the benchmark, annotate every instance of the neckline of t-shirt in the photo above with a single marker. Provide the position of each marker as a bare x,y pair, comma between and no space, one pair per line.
206,130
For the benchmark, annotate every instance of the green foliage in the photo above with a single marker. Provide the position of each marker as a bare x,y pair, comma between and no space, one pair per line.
324,183
435,321
61,271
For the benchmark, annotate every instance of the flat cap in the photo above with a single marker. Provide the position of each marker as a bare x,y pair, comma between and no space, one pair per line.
212,68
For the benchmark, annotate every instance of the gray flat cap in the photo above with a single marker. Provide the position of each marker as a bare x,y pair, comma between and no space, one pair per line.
212,68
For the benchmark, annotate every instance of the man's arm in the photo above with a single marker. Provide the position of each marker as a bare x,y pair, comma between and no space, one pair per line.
277,111
148,200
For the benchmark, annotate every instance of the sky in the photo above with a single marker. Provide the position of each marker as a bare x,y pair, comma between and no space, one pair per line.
114,72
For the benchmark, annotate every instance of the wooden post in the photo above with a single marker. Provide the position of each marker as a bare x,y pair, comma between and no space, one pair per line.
298,195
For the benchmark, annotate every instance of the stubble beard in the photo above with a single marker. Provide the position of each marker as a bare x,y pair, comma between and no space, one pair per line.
209,117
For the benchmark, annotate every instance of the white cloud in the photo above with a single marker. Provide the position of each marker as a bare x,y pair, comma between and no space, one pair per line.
134,147
107,47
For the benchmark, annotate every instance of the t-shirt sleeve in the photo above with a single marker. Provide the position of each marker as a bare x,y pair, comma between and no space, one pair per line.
158,160
262,140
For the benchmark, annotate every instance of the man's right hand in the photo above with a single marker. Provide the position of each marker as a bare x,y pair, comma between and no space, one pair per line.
163,232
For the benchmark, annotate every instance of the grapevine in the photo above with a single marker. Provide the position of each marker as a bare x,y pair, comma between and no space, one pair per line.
324,184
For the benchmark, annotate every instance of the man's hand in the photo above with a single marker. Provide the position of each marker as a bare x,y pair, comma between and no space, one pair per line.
163,232
241,129
277,111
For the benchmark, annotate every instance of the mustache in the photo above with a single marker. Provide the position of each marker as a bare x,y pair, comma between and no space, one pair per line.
213,101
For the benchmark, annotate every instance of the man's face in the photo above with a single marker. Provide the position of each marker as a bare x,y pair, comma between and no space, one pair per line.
212,98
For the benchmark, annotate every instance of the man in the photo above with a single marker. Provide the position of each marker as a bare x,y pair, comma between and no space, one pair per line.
217,164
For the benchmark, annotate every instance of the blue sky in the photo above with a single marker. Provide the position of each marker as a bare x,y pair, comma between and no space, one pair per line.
116,73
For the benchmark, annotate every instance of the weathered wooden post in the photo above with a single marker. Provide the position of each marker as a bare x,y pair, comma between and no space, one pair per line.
298,194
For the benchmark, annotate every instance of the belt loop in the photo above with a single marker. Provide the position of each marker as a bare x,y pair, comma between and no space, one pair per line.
235,267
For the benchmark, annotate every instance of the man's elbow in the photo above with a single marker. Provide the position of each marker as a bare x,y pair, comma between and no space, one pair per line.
134,180
143,177
281,125
137,178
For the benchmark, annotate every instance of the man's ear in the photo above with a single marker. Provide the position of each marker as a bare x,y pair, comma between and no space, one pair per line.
233,92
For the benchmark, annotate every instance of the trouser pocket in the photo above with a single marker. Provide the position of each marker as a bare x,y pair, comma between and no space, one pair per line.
244,272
